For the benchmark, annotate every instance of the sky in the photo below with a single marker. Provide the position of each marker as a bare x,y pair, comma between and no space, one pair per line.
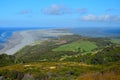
59,13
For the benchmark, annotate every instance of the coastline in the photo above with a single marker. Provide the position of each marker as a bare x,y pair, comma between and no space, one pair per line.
14,40
24,40
19,39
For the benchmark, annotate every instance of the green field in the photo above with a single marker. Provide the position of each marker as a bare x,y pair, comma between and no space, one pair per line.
83,46
117,41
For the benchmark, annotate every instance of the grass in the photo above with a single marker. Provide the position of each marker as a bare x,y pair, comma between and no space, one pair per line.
117,41
83,46
99,76
43,65
110,71
67,70
62,69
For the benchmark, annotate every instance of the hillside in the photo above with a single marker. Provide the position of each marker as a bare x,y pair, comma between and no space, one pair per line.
65,46
70,57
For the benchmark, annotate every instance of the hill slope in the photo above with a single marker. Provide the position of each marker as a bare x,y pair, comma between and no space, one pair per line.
65,58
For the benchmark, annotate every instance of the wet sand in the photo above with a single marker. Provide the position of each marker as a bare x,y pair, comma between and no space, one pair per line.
22,38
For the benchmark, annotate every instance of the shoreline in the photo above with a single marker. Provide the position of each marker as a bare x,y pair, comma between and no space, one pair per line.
20,39
26,39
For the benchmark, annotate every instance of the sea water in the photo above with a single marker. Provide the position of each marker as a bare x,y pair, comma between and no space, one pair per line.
6,32
110,32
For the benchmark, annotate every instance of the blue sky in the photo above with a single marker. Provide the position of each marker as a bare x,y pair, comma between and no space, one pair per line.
59,13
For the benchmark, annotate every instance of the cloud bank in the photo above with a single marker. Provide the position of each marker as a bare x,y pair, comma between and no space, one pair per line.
56,10
112,18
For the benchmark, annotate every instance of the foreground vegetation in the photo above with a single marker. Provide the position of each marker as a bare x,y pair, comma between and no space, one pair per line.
61,71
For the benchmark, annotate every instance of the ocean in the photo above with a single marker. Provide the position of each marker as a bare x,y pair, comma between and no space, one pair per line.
5,33
110,32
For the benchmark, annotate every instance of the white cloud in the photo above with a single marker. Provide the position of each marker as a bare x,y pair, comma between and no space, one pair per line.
111,9
89,18
55,9
22,12
81,10
100,18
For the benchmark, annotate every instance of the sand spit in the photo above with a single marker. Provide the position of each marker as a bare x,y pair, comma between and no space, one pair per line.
22,38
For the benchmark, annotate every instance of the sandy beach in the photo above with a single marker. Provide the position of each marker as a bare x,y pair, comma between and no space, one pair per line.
22,38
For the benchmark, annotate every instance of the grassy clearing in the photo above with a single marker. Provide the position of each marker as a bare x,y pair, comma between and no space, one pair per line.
83,46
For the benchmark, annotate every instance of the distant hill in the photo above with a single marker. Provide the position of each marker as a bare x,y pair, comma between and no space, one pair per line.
72,47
